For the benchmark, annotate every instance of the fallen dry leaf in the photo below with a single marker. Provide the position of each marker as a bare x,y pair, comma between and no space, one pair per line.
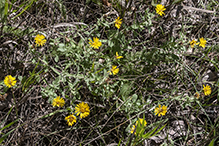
105,2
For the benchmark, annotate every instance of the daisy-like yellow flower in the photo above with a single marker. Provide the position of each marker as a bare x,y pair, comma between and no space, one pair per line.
71,119
118,22
160,110
207,90
40,40
202,42
117,56
60,102
136,124
193,43
114,70
82,109
10,81
95,44
159,9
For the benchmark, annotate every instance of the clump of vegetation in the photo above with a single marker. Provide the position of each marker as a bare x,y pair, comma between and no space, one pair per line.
109,72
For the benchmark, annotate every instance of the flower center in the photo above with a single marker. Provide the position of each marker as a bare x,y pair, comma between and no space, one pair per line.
206,89
82,110
9,81
71,119
112,70
95,43
160,110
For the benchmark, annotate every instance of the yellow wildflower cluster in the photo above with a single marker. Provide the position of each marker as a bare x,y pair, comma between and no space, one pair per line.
142,121
206,91
202,43
115,70
96,43
81,109
160,110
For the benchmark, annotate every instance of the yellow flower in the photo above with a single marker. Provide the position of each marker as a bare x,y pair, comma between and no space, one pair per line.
207,90
10,81
82,109
160,110
193,43
117,56
60,102
71,119
197,95
159,9
95,44
202,42
118,23
40,40
114,70
136,124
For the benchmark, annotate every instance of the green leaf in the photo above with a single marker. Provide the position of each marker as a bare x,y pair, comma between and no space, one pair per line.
50,114
110,43
134,26
211,143
152,132
9,125
125,90
31,2
6,8
62,48
6,135
159,130
54,70
56,58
